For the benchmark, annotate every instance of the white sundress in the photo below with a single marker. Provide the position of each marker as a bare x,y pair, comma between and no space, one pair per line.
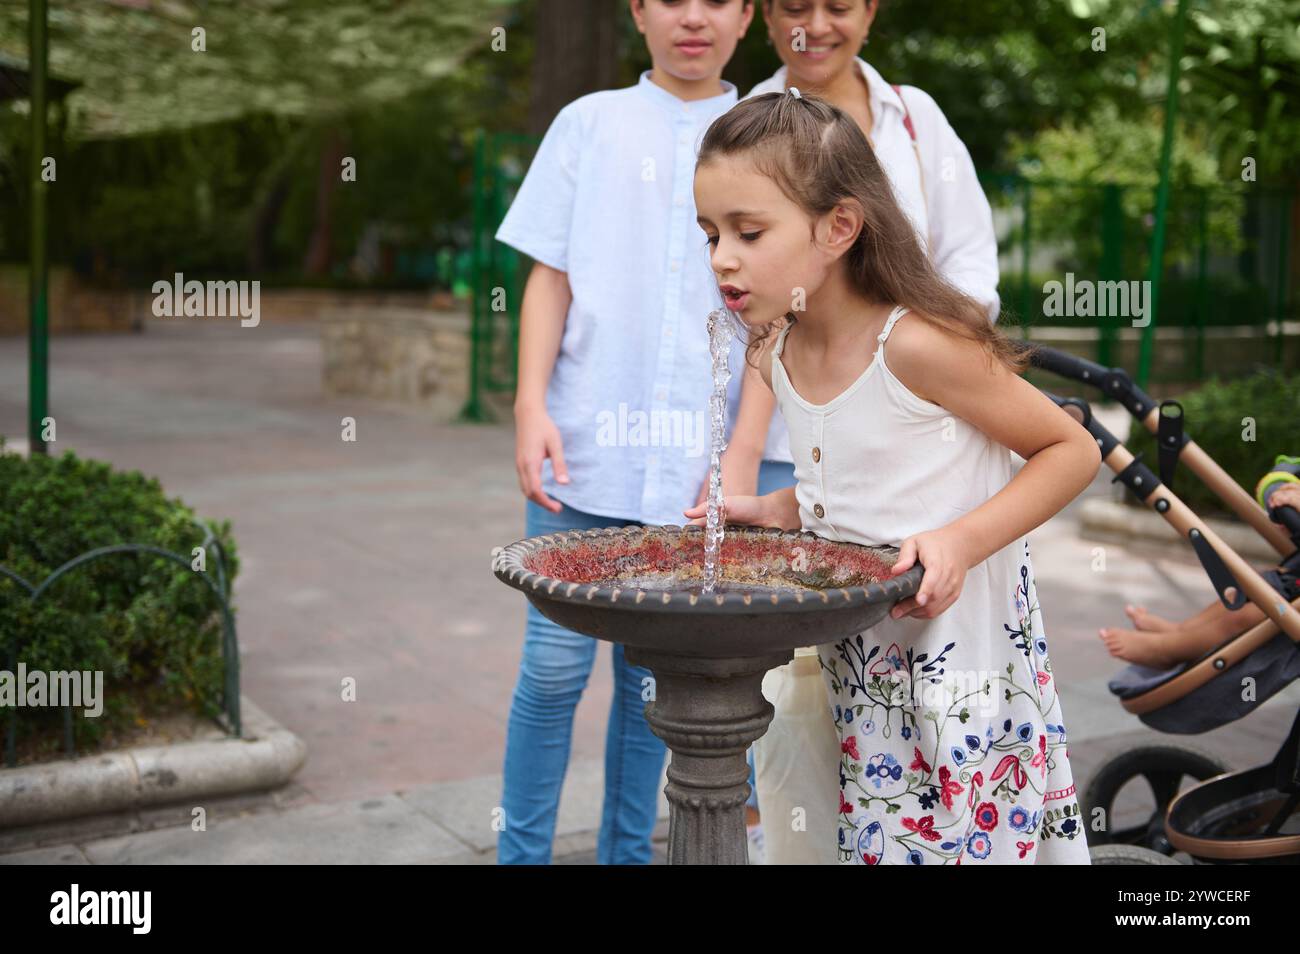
952,743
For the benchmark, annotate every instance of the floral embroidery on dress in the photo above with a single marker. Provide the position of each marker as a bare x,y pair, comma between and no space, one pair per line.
969,778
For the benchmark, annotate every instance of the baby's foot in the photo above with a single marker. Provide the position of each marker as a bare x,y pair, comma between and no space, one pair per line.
1148,621
1146,648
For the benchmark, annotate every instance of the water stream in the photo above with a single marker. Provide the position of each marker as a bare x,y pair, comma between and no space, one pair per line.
720,334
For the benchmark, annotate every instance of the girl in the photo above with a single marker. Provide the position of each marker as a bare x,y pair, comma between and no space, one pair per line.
952,743
820,43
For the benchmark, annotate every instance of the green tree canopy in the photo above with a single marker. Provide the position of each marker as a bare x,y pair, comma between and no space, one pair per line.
139,70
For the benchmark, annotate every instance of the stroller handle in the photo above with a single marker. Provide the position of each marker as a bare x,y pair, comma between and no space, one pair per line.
1289,517
1115,383
1067,365
1224,567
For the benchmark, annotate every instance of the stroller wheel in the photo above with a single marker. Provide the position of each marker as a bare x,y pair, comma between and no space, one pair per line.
1161,769
1128,855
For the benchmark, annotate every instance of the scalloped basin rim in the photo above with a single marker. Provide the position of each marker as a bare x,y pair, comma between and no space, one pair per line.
790,570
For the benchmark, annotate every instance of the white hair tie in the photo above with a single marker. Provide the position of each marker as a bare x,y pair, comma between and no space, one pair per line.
794,91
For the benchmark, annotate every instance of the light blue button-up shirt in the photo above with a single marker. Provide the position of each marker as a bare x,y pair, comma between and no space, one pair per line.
609,200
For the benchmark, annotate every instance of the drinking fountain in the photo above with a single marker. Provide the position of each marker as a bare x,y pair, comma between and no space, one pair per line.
643,587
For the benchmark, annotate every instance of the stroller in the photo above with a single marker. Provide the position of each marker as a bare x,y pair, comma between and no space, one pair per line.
1247,817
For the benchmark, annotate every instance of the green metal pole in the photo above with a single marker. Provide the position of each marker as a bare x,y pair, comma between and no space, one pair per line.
1283,271
1024,261
474,409
1162,195
1202,306
1112,264
38,348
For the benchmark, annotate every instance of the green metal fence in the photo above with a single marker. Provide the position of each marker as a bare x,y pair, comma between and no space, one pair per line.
496,270
225,710
1226,268
1226,274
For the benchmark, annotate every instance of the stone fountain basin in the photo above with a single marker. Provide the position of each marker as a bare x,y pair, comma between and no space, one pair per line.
642,587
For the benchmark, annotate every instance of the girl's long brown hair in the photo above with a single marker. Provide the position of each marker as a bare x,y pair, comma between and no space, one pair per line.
819,157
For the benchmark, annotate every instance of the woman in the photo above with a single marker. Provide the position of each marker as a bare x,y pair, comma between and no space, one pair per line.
935,183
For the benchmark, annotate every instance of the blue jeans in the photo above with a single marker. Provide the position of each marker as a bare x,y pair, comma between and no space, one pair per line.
552,674
773,475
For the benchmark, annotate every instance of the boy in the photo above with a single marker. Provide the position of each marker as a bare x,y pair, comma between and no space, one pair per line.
612,340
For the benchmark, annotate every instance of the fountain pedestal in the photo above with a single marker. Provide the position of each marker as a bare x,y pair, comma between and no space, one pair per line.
708,712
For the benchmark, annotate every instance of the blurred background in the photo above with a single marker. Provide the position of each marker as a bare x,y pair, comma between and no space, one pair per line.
208,139
225,163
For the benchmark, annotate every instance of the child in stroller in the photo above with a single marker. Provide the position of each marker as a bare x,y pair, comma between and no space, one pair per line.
1162,643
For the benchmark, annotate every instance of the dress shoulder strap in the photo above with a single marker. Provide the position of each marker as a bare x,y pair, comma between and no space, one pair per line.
898,312
780,341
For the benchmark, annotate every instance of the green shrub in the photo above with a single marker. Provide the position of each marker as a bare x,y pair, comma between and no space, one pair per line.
1216,418
146,622
1227,300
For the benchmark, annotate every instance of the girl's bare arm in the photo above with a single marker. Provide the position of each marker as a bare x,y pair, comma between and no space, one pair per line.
1061,457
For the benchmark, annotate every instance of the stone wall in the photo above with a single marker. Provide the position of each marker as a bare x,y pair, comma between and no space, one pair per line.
73,306
405,352
78,307
409,347
1229,352
413,347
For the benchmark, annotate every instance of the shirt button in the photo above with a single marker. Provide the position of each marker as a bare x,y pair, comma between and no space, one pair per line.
676,266
817,455
679,202
820,511
660,396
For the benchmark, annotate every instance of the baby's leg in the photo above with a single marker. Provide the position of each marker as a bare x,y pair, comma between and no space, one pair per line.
1228,622
1162,649
1150,621
1145,620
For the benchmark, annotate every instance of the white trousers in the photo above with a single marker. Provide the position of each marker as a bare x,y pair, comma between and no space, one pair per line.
796,767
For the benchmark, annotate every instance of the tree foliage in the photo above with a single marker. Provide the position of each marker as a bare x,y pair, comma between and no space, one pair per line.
140,72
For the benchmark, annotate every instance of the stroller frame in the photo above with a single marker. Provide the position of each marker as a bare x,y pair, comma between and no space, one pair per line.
1220,819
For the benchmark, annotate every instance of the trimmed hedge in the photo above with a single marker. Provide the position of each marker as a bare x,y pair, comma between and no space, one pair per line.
1217,417
153,630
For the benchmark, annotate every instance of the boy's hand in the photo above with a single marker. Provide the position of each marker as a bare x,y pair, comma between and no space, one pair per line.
777,509
746,510
946,562
536,438
739,474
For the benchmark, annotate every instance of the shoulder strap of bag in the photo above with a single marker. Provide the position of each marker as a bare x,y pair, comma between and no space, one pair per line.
911,131
907,115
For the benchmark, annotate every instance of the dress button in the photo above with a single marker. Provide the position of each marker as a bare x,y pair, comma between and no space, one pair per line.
820,511
817,455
